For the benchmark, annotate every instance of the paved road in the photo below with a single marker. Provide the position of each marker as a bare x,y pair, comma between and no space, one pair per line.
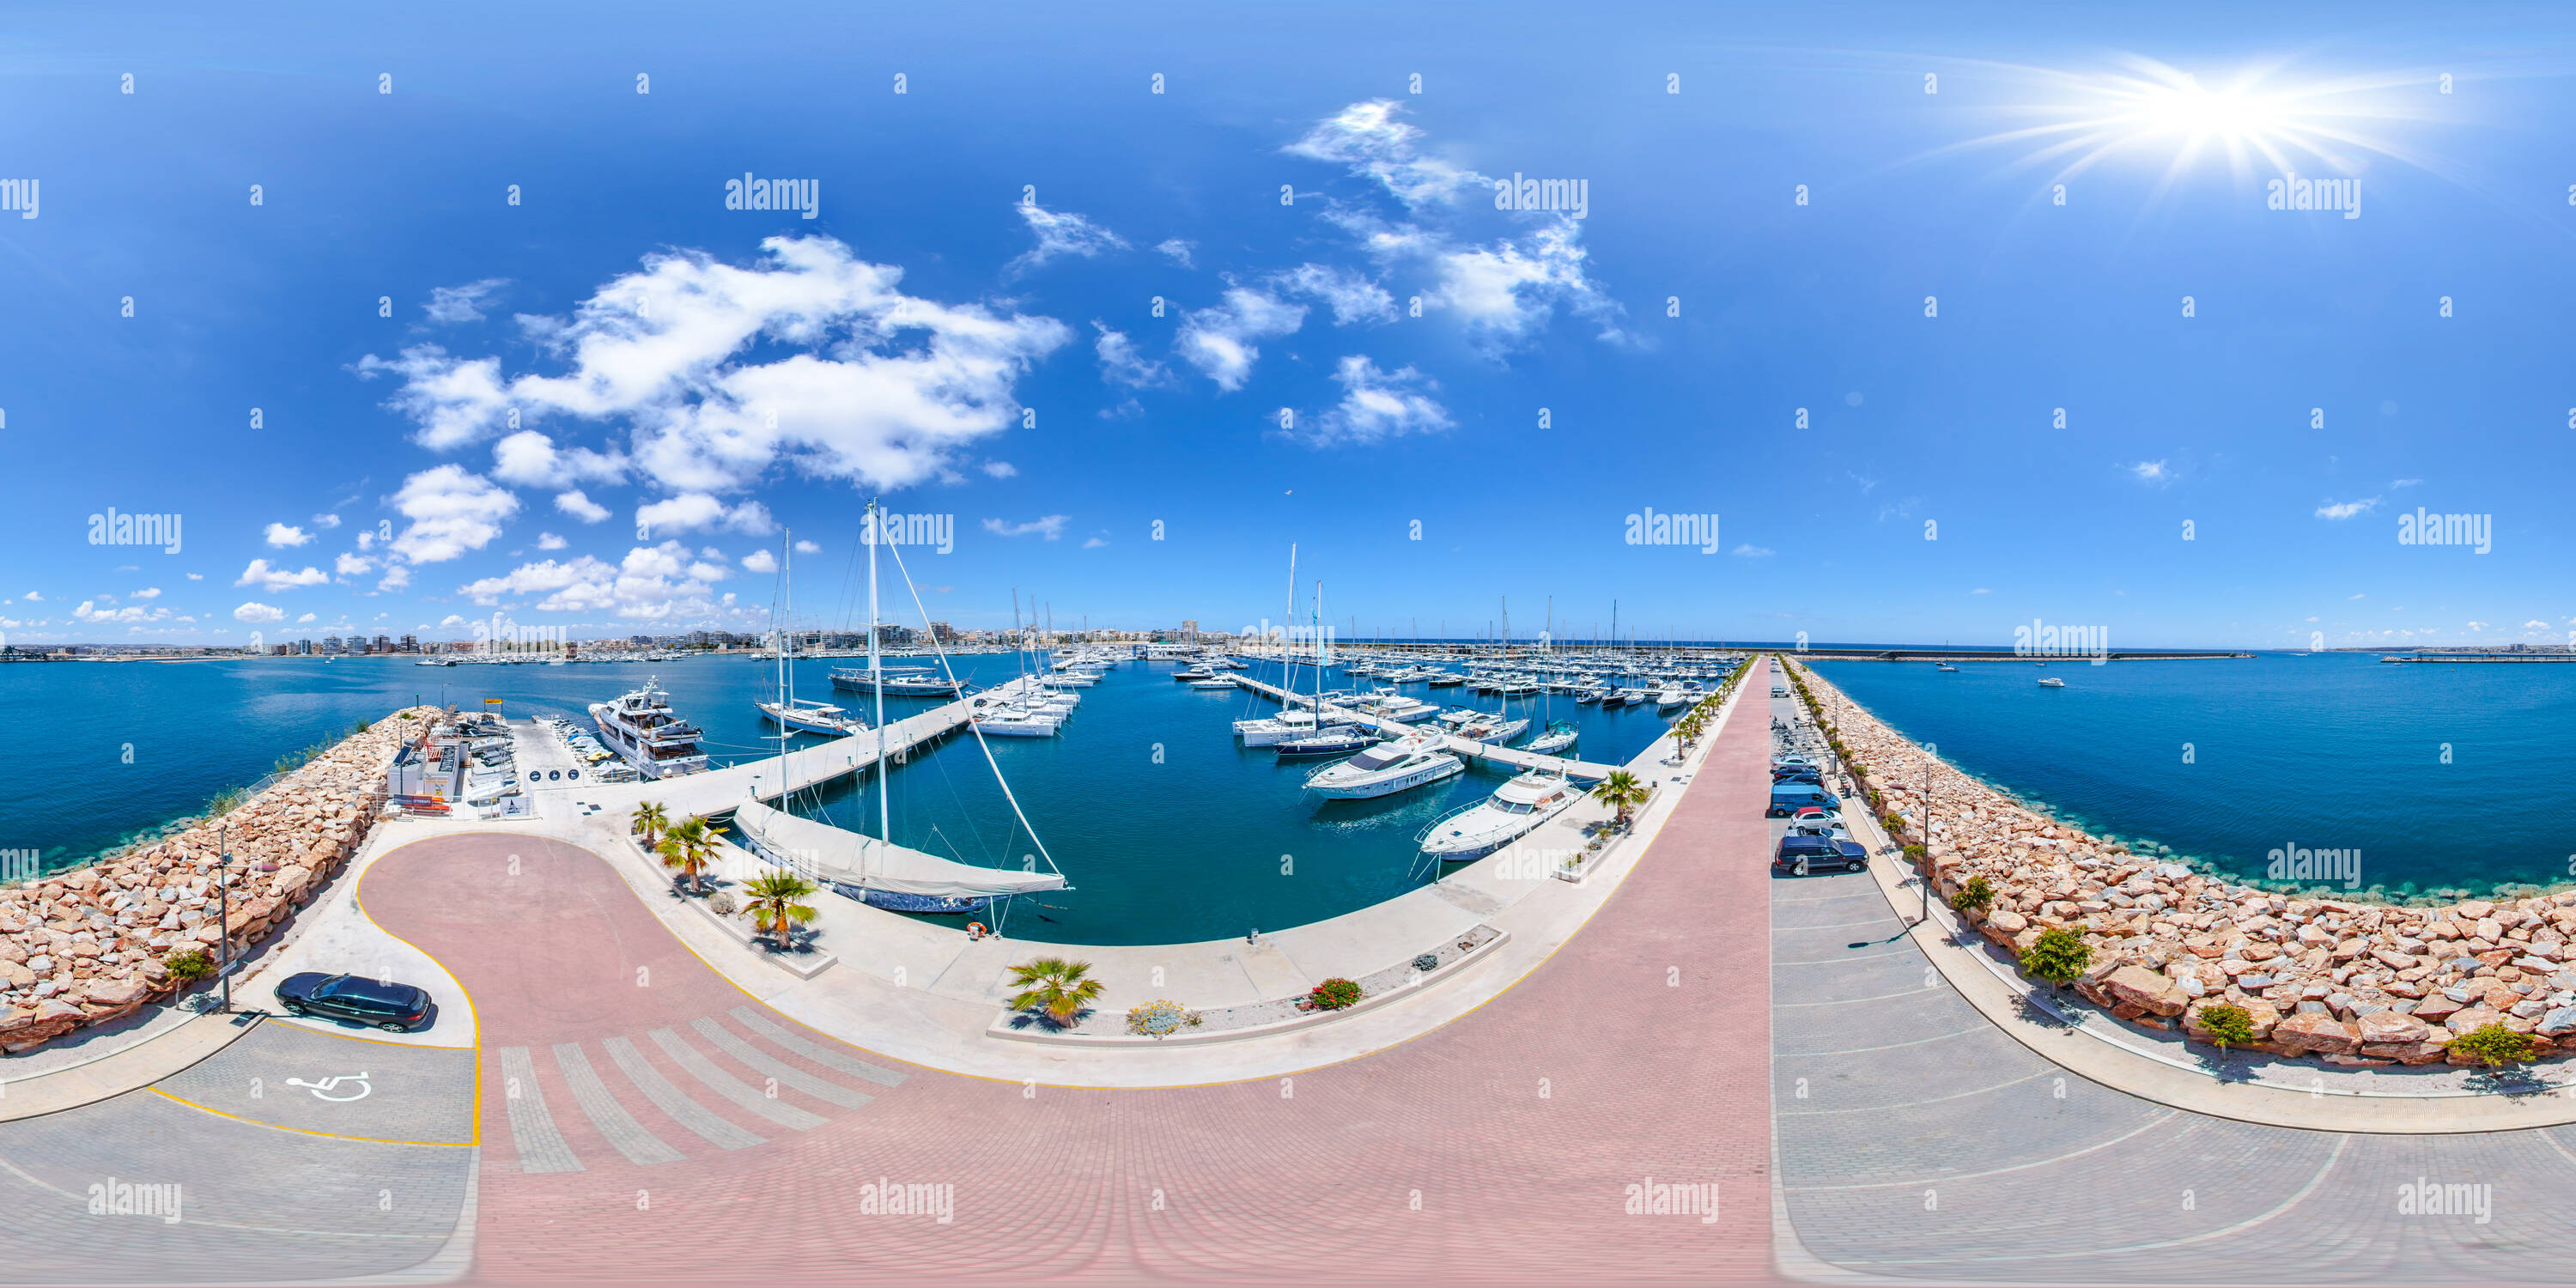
1918,1140
1499,1148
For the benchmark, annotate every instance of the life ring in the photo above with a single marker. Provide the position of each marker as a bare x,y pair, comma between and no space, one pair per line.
975,930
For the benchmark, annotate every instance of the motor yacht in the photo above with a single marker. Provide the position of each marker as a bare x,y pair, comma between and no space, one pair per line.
2052,682
1273,729
641,727
1513,811
1386,769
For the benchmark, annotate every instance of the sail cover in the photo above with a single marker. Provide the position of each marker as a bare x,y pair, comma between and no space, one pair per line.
849,858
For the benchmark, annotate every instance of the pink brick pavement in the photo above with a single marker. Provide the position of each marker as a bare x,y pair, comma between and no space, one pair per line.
1641,1079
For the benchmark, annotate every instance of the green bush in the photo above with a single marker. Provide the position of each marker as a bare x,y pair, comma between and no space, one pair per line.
1160,1019
2059,957
1976,896
1334,994
2494,1044
189,964
2228,1026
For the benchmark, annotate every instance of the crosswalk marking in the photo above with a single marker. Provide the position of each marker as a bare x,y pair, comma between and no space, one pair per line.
731,1088
780,1035
674,1102
787,1075
615,1125
541,1147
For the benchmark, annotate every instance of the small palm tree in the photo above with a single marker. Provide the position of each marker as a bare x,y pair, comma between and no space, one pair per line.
1055,986
691,848
651,819
1622,791
773,904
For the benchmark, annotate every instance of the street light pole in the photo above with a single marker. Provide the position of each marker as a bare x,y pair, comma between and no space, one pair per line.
224,916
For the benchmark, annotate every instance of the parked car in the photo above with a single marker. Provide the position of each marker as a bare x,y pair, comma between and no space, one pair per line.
1812,821
1779,763
1788,798
1800,855
382,1003
1798,774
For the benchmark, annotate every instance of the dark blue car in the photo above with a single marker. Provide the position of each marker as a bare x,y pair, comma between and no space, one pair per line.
1800,855
356,999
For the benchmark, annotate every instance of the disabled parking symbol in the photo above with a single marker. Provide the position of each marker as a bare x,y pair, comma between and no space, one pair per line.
322,1090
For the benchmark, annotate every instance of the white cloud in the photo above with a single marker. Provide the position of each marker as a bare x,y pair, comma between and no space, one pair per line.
580,507
281,535
274,580
396,577
531,459
452,511
1506,292
1179,249
1378,405
1353,296
760,561
196,576
2346,509
1050,527
1751,551
148,592
89,612
1001,469
450,304
693,511
2350,598
808,548
452,619
2152,472
326,522
1219,341
1060,232
1120,364
549,541
1094,543
34,598
651,584
2535,624
882,387
1368,138
306,619
258,613
1981,591
351,564
2403,483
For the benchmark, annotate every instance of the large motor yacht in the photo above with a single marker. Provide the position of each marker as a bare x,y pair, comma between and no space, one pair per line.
641,728
1386,769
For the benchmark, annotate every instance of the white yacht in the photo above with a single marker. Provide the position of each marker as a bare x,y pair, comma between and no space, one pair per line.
641,728
1018,722
805,715
1386,769
1270,730
1512,811
1559,736
2052,682
907,683
1496,730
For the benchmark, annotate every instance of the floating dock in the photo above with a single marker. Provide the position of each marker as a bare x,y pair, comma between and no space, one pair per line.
1452,743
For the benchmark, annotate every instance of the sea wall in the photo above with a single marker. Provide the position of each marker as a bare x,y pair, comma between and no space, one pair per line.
2344,981
91,945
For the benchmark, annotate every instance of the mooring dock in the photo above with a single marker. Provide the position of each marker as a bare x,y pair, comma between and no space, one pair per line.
1452,743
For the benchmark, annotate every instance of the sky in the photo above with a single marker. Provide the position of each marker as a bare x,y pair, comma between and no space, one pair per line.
1944,323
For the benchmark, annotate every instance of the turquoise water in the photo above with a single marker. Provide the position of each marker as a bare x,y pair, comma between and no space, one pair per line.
2335,750
1169,830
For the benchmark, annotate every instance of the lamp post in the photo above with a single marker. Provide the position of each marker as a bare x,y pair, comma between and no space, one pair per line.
224,916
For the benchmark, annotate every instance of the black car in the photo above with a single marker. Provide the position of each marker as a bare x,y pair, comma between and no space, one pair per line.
382,1003
1800,855
1798,774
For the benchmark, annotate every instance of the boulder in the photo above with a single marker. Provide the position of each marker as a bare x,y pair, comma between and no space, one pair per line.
2384,1027
2323,1034
2436,1008
2145,989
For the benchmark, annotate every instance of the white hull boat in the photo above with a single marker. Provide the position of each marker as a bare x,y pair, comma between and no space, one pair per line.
1513,811
1386,769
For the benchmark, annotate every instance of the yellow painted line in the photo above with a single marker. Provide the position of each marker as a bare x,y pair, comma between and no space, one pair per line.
357,901
332,1135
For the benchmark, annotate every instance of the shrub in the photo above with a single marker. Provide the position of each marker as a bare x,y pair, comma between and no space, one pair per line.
1160,1019
1913,853
1976,896
189,964
1334,994
721,904
2059,957
1894,823
2228,1026
2494,1044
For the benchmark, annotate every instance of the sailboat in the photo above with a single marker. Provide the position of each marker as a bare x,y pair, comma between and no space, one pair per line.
873,869
789,712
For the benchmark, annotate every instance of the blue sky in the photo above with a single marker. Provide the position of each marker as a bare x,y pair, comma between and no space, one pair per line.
934,336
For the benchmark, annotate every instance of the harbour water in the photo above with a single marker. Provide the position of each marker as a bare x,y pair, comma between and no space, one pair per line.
2444,777
1168,828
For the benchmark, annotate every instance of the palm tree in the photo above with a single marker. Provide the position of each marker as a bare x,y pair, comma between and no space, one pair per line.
690,847
774,907
1621,790
1055,986
651,819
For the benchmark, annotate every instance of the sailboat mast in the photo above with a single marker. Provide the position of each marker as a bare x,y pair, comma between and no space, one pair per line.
876,676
